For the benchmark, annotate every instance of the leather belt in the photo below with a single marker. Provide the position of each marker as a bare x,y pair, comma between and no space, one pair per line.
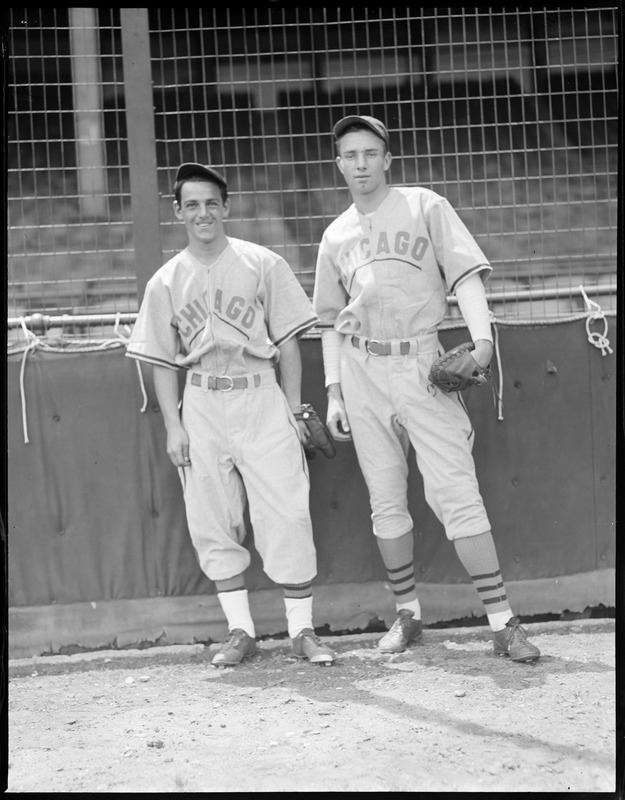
226,383
395,347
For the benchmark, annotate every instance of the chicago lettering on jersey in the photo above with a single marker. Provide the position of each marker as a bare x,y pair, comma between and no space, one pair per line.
235,310
401,245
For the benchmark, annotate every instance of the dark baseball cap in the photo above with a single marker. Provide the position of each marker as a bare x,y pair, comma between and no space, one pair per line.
374,125
189,170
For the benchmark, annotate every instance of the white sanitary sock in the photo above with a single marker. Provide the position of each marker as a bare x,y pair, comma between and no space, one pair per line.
412,605
498,621
236,607
298,614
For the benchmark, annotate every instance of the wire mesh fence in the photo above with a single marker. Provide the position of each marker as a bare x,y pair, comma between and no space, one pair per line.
511,113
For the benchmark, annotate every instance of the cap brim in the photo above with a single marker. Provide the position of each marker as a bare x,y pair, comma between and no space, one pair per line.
344,123
189,170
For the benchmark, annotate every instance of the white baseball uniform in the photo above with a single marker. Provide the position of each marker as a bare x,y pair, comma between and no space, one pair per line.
382,280
223,324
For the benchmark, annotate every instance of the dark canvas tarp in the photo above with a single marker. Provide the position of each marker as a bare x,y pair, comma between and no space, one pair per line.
96,512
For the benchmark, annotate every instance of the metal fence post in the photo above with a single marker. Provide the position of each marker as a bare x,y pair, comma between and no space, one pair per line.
87,87
141,144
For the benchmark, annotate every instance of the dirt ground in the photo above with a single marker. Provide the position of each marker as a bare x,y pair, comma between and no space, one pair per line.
446,715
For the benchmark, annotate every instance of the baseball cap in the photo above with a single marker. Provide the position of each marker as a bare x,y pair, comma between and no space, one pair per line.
190,169
374,125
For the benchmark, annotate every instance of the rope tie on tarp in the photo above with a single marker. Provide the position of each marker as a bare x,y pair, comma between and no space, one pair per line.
599,340
125,339
35,342
497,392
32,343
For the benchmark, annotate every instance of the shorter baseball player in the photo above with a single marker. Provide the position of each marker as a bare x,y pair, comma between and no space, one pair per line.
383,271
227,311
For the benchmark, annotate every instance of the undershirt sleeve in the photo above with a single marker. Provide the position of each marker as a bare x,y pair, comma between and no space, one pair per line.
473,305
331,342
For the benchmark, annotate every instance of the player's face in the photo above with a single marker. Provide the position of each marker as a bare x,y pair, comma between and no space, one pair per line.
363,161
202,210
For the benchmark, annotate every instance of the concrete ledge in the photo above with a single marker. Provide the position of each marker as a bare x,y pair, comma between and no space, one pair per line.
347,607
183,652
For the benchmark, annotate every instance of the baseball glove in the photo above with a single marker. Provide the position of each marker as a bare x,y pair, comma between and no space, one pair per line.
320,437
456,370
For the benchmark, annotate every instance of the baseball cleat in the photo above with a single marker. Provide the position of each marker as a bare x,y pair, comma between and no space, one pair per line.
512,642
238,645
404,630
308,645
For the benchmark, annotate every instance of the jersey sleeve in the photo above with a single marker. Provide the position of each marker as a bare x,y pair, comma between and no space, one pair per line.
457,253
329,295
154,338
288,310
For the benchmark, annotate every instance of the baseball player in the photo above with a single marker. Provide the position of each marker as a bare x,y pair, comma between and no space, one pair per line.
227,311
383,271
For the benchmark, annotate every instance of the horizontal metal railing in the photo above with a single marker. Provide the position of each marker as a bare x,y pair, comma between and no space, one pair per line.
47,321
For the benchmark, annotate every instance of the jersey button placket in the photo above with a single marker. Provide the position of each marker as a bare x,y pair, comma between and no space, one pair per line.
388,304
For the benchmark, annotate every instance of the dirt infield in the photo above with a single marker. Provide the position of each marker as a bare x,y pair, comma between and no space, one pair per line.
446,715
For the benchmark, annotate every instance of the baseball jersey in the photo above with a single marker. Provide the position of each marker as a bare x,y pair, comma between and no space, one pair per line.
386,275
227,318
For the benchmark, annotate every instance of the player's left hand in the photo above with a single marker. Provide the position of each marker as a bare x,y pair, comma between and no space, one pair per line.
318,437
483,352
457,370
304,433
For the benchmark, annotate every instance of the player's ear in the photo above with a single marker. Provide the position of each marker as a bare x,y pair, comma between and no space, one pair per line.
387,160
226,209
177,210
339,164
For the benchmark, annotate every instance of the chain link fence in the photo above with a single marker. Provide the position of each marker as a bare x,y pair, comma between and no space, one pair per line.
511,113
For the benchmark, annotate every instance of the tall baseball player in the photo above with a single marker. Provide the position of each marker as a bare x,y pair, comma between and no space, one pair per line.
383,270
226,311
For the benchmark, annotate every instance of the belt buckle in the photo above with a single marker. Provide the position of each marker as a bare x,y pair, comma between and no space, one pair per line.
369,342
227,378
